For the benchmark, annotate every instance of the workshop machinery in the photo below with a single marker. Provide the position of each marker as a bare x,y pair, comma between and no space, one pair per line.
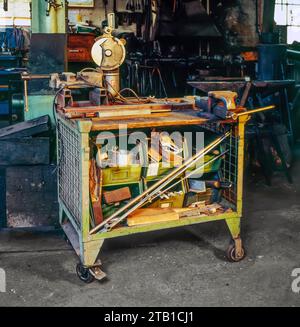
105,193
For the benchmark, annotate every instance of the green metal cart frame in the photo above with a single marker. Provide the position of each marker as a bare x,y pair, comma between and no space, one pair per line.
73,146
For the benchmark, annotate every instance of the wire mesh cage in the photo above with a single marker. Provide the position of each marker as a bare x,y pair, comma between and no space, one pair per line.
229,168
69,176
74,140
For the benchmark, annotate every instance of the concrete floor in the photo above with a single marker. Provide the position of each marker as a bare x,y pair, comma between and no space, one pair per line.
182,267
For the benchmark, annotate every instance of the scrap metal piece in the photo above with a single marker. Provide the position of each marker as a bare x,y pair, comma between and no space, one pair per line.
27,128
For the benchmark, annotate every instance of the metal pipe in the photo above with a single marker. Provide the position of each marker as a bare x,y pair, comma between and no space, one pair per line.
151,196
26,76
26,95
293,54
250,112
195,171
268,16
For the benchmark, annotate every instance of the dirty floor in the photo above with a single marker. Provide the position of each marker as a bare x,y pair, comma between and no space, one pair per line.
181,267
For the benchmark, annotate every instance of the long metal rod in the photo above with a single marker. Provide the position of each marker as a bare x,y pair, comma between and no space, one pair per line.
250,112
195,171
26,95
152,197
159,183
145,196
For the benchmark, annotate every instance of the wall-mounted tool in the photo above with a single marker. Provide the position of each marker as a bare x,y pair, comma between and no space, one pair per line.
28,77
5,5
130,5
52,4
105,3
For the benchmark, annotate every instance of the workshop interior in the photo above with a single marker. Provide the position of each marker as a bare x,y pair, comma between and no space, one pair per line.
102,103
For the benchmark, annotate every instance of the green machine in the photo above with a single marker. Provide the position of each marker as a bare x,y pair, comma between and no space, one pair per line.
47,55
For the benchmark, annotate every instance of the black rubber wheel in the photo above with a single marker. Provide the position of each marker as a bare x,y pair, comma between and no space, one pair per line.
231,255
84,274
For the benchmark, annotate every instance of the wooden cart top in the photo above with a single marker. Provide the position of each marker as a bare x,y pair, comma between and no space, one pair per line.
173,118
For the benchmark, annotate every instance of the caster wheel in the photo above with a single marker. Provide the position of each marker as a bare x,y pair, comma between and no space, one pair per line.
84,274
231,254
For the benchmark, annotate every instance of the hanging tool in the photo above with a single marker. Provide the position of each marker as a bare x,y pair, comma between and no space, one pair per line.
138,6
5,5
246,94
105,3
52,4
130,5
138,18
157,187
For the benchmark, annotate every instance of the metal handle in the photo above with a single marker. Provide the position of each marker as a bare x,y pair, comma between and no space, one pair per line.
111,21
251,112
26,95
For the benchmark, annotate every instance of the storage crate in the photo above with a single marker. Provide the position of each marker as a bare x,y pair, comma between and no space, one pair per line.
191,198
117,175
175,201
121,175
155,171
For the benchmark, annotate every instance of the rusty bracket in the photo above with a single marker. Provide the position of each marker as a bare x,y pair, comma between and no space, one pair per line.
238,248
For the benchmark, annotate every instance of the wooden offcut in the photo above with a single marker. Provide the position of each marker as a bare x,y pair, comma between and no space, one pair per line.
151,216
27,128
118,195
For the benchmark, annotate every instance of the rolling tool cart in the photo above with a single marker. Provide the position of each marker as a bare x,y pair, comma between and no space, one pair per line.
74,154
98,202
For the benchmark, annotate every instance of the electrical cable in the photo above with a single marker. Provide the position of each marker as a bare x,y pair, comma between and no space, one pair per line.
119,93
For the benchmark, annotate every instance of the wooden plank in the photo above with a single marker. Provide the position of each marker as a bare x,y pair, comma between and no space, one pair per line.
26,128
124,112
112,108
156,105
25,151
153,120
151,215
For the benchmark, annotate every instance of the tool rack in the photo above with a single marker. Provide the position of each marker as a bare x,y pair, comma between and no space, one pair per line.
73,144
